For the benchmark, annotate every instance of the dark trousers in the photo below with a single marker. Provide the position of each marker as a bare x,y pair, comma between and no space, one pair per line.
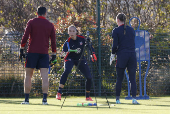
127,60
83,67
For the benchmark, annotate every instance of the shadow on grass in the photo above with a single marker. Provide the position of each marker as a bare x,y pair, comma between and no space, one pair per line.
166,101
104,105
123,103
159,105
10,101
93,107
153,98
19,102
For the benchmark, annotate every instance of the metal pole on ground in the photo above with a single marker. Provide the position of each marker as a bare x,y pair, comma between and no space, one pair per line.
99,46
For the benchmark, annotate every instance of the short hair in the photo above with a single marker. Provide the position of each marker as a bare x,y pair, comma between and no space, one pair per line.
41,10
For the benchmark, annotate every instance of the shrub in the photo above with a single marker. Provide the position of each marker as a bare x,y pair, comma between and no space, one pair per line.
11,86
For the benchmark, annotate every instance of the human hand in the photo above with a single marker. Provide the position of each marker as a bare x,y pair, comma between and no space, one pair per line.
22,55
53,60
112,58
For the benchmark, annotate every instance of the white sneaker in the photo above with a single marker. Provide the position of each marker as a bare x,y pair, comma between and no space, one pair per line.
24,102
44,103
134,101
118,102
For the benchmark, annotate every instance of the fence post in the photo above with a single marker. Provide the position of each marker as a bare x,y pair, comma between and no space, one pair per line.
99,44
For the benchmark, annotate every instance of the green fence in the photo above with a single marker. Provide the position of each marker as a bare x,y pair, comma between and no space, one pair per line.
12,70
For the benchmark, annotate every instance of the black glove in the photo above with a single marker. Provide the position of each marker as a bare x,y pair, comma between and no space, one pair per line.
88,39
52,61
22,55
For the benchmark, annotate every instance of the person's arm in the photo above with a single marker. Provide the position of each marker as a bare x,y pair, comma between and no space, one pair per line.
115,41
53,41
53,47
114,46
24,40
65,48
26,35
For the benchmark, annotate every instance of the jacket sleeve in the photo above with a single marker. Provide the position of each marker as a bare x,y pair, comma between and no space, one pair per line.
26,34
115,41
53,39
65,48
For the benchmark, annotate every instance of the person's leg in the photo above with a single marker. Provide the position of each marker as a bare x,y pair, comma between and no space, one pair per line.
45,83
43,65
30,64
132,79
68,65
120,76
27,82
122,60
131,67
84,68
67,69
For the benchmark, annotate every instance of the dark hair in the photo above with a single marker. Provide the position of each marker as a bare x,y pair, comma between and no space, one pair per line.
122,17
41,10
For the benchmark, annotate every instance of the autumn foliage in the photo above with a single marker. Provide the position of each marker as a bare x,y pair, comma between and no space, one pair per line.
82,22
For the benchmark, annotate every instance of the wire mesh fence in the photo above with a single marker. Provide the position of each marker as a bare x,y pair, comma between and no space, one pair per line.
12,71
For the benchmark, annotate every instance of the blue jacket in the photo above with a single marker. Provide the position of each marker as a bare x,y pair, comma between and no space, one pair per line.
121,42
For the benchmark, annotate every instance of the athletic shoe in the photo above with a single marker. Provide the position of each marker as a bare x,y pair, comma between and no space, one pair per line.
44,103
58,96
134,101
89,99
24,102
118,102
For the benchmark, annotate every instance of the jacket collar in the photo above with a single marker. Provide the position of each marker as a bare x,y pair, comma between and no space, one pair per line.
41,17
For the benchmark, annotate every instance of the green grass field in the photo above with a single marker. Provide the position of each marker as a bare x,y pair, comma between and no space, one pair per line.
155,105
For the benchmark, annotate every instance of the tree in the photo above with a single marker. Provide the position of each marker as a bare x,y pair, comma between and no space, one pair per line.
15,14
